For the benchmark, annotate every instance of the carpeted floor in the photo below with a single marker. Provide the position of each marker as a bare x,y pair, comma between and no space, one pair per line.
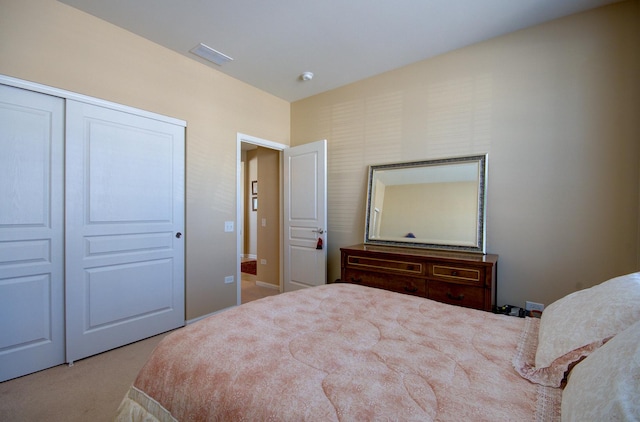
252,291
90,390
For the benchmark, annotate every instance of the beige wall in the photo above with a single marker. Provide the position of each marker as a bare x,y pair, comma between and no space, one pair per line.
250,232
263,242
53,44
557,108
269,211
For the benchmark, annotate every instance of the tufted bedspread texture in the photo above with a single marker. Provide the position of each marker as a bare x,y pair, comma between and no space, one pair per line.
342,352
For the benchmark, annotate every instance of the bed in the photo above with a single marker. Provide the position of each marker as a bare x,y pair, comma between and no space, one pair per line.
343,352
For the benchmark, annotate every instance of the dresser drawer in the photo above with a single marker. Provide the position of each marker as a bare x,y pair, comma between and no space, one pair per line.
452,277
456,294
452,273
406,285
414,268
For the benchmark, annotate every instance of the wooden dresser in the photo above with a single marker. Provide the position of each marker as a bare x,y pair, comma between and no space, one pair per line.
458,278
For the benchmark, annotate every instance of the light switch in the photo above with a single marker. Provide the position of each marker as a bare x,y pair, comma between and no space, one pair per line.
264,222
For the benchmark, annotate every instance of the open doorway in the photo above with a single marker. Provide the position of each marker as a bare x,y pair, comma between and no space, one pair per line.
259,218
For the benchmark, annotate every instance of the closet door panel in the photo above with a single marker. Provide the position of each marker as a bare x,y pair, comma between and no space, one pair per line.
31,232
125,206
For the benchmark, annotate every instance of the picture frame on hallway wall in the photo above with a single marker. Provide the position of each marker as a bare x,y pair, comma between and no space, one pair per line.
254,203
254,187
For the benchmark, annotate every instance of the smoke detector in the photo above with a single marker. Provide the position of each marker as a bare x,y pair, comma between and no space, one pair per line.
306,76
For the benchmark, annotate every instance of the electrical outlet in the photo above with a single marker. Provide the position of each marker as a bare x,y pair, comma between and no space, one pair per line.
228,226
228,279
533,306
263,262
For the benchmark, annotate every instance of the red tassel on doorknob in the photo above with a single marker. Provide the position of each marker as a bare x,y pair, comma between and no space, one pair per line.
319,245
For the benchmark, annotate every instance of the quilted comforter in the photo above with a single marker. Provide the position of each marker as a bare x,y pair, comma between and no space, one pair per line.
342,352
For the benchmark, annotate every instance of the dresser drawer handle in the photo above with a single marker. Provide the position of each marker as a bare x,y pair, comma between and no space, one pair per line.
452,297
410,289
356,280
454,273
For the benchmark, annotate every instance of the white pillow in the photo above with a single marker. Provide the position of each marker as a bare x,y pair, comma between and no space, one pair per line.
573,327
606,385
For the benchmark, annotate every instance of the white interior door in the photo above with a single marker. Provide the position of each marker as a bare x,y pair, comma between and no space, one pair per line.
305,215
31,232
124,225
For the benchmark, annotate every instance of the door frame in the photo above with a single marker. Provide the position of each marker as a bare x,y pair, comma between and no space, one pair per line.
248,139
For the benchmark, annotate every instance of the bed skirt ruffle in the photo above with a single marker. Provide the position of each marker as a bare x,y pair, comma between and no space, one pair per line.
139,407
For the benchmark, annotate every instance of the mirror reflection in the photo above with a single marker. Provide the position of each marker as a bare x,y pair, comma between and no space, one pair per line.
434,204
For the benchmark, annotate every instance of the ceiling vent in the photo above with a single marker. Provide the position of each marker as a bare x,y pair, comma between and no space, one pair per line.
210,54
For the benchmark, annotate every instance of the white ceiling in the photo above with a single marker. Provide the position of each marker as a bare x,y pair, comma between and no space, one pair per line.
340,41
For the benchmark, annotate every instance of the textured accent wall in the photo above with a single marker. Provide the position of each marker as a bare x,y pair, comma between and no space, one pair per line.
555,106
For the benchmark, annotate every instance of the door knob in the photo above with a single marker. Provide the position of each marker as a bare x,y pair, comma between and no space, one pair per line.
178,235
319,230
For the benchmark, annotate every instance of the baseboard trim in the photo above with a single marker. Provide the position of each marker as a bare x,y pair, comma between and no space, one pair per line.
191,321
267,285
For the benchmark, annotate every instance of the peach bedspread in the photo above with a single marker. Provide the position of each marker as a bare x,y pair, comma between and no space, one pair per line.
340,352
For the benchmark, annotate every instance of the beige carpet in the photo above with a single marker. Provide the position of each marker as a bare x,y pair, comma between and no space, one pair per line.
252,291
92,388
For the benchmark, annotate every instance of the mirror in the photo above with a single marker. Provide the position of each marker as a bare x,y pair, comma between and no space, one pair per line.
436,204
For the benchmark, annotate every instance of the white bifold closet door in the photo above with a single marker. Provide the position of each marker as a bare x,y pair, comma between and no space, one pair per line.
124,223
31,232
